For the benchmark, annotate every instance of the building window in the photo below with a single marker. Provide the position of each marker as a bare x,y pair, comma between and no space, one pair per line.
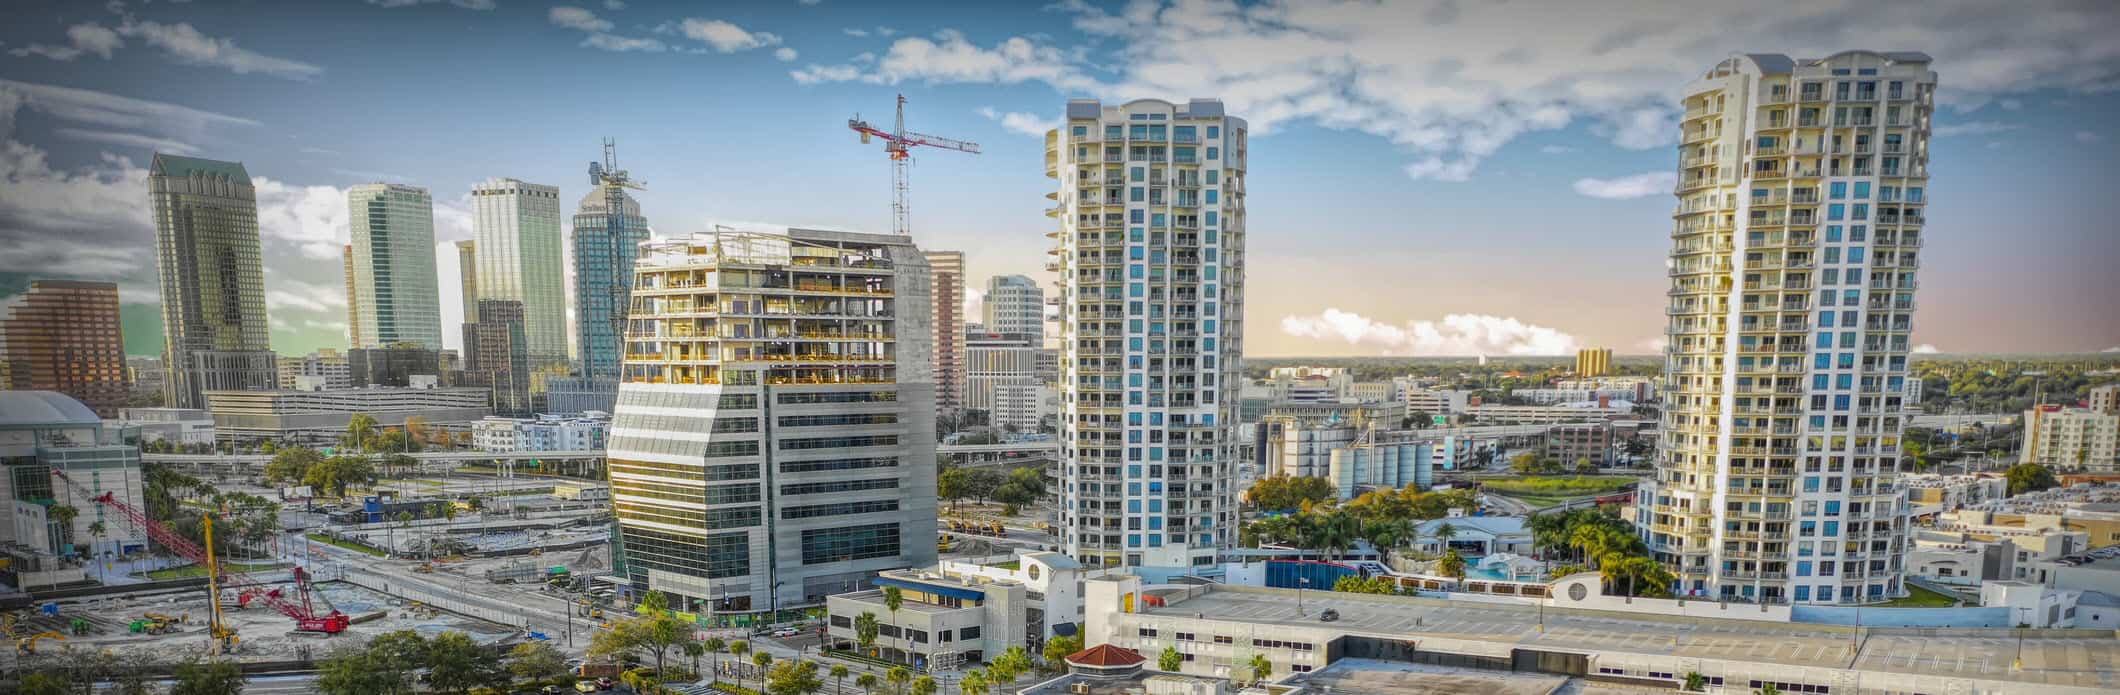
839,509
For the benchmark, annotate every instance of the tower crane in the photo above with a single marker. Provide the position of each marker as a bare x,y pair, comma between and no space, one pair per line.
607,173
899,145
249,588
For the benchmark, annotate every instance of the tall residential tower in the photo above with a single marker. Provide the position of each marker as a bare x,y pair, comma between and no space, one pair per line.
608,230
946,268
774,438
519,259
1800,195
393,265
1014,304
64,336
1151,264
213,279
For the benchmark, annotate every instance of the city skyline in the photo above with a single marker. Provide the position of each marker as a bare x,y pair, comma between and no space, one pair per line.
1428,156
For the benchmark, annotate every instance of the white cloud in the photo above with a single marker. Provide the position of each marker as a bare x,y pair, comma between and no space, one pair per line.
147,142
2085,136
2115,348
83,38
1993,145
1624,187
855,31
614,5
1456,334
1656,345
312,219
577,18
974,305
809,2
1450,83
726,37
784,54
466,4
1557,149
1975,128
2010,104
187,45
109,110
287,293
598,30
886,32
317,150
1019,122
1925,349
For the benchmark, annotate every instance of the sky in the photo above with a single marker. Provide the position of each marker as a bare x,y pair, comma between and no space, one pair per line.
1427,178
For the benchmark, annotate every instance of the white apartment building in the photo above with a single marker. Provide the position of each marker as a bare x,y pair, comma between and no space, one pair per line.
519,259
1437,401
1151,261
1023,406
1798,226
393,265
1556,396
2072,438
774,440
542,433
1014,304
326,363
992,360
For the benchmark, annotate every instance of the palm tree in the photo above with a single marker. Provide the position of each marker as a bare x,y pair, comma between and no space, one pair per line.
865,632
761,660
737,649
974,683
695,650
1261,667
868,683
924,685
715,646
839,678
1451,565
1642,575
899,676
893,599
62,516
1443,534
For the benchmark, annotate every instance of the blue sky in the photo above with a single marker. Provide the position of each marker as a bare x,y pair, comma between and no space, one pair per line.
1432,178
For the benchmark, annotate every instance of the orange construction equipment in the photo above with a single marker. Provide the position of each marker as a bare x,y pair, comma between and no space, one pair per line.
899,145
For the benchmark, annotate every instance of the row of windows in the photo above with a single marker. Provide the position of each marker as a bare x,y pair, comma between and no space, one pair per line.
838,464
722,449
839,486
838,397
736,424
838,509
838,420
834,442
732,494
733,517
845,543
717,556
739,401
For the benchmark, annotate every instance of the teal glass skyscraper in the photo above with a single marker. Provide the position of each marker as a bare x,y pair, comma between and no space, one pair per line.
608,231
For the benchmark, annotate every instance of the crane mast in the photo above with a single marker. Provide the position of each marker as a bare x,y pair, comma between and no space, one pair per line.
898,144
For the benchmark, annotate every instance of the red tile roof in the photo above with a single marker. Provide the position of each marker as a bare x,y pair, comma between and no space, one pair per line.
1106,655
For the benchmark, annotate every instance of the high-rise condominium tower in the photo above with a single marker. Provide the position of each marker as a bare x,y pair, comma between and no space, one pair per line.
213,281
608,230
1014,304
519,259
353,299
1800,195
393,265
947,270
467,272
64,336
1151,264
774,438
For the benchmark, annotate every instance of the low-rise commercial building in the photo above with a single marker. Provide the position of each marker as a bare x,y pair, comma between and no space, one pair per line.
570,396
42,432
326,363
182,426
1932,493
943,623
320,417
542,433
1574,443
2072,438
1308,384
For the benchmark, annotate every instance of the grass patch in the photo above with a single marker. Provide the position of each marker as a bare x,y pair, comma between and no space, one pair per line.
1918,597
1010,565
858,657
355,546
189,571
1547,491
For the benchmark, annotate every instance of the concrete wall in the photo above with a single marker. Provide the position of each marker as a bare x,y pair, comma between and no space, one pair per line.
1966,616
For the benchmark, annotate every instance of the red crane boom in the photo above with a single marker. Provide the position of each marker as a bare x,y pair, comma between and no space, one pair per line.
899,145
249,588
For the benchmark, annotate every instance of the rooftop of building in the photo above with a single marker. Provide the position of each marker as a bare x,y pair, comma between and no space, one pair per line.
165,164
1488,525
2071,658
19,409
1376,677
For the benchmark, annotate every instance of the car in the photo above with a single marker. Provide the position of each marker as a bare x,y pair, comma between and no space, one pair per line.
550,690
786,632
605,684
585,686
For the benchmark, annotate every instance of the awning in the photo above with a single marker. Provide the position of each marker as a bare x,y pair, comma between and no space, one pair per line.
1064,629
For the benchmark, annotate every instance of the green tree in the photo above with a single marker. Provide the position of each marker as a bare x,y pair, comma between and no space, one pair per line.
761,660
793,677
694,649
924,685
974,683
1014,662
215,677
715,647
393,441
1261,668
2030,477
867,682
1452,565
1443,534
1283,492
738,649
360,431
1171,660
63,516
839,678
45,683
536,661
899,677
893,599
291,464
1057,649
865,629
457,664
1642,576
